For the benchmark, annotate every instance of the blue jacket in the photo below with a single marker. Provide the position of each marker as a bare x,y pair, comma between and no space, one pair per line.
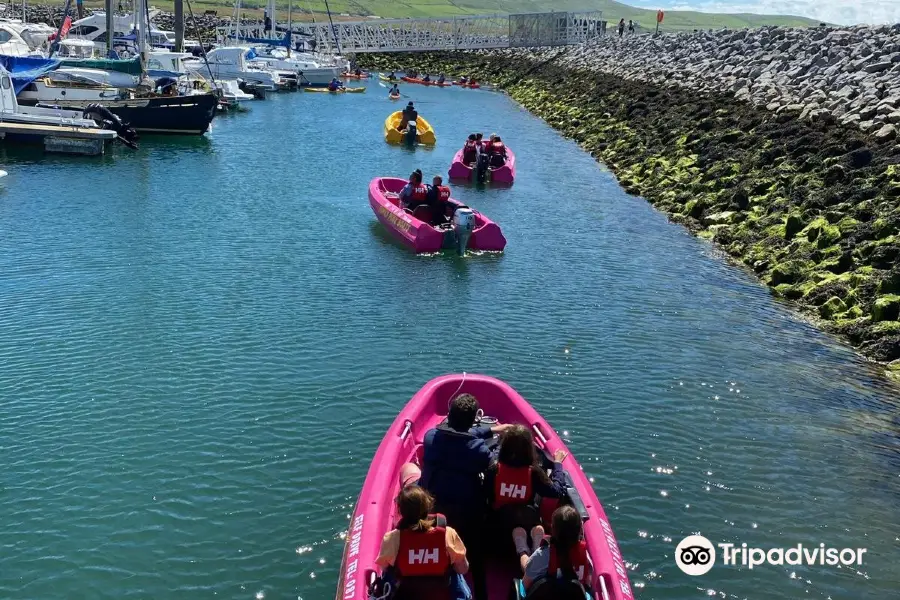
451,467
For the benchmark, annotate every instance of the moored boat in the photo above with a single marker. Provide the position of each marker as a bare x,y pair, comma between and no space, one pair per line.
424,132
469,229
375,513
505,174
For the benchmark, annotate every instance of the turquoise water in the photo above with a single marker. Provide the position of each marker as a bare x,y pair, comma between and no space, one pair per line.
202,343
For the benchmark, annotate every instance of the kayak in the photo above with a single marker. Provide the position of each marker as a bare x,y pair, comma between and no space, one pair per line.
354,76
394,96
375,513
424,134
473,86
386,78
505,174
345,90
423,82
469,229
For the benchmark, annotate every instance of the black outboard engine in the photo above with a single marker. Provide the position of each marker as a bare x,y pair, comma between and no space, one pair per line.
481,167
105,119
412,134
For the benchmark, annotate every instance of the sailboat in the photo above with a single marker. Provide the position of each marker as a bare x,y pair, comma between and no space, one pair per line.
141,108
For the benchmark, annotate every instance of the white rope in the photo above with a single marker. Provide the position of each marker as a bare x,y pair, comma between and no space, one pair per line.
386,592
453,395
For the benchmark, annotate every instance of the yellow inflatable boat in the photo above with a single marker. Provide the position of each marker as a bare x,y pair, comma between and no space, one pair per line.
424,132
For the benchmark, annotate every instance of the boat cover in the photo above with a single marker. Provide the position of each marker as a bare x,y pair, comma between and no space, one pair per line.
128,66
25,69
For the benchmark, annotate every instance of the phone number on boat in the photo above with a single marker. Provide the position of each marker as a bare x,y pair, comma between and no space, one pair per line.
353,560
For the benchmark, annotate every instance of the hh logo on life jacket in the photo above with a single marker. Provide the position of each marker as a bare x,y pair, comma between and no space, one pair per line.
579,572
512,491
423,556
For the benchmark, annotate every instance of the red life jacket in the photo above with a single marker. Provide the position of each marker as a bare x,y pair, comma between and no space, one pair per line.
577,556
420,193
512,485
471,145
498,147
444,192
424,554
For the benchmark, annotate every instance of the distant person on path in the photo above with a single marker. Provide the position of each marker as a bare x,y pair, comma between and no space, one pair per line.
621,27
630,26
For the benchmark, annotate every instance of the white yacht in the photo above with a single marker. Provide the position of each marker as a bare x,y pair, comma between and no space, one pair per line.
235,62
23,39
307,70
93,29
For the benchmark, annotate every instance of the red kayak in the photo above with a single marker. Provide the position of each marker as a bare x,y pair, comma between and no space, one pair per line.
423,82
469,229
472,86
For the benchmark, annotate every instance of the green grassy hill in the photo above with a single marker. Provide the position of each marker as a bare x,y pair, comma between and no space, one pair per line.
612,11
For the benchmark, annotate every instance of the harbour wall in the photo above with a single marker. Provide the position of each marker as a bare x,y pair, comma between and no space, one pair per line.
750,139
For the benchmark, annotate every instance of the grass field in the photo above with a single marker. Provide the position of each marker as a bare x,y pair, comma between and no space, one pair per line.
612,11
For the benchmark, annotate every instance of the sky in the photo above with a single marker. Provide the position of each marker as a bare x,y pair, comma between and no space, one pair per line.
845,12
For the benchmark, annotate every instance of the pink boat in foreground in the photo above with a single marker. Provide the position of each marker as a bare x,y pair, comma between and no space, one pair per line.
505,174
375,513
469,229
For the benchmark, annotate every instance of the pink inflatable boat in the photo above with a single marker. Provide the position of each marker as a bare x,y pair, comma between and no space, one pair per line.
469,229
505,174
375,513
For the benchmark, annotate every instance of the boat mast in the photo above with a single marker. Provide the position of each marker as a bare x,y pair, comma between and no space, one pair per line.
290,31
337,42
110,28
141,27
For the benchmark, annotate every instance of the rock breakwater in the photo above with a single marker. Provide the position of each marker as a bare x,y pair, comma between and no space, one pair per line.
811,205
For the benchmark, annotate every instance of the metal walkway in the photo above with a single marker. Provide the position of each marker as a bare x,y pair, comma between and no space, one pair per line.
457,33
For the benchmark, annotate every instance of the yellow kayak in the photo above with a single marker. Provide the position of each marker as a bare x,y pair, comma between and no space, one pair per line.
386,78
424,132
346,90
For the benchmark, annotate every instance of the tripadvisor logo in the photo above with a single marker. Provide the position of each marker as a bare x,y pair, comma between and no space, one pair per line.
696,555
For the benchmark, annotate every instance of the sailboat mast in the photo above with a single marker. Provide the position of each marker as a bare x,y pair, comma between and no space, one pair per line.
110,28
290,31
141,26
337,42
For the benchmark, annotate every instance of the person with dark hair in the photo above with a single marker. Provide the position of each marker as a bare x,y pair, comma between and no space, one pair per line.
414,193
621,27
513,484
421,533
470,150
561,558
409,114
439,201
454,457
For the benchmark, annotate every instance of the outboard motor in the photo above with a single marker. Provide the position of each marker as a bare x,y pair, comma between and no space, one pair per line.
105,119
463,226
481,167
412,134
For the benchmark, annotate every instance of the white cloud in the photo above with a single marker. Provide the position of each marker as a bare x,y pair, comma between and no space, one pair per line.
846,12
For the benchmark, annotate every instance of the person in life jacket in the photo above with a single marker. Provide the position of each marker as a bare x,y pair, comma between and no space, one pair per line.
426,556
395,91
470,150
497,151
439,201
357,72
392,76
414,193
335,85
427,77
514,481
409,114
561,558
441,79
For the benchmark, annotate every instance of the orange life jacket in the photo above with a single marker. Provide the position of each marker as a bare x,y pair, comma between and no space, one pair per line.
424,553
577,557
512,485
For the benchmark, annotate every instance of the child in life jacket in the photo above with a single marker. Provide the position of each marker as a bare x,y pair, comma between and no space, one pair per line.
427,556
563,555
514,481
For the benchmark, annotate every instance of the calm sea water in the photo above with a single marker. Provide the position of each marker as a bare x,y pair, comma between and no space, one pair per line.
202,343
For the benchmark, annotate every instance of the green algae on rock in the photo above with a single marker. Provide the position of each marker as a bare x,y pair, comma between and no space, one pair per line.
811,207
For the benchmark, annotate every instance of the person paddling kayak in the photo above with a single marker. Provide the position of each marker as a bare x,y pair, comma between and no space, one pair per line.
395,91
335,85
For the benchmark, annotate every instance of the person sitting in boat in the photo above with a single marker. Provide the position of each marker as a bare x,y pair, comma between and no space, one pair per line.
439,201
513,482
455,455
409,114
464,79
561,562
392,76
421,532
427,78
441,79
470,150
414,193
358,72
395,91
335,85
479,141
497,151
